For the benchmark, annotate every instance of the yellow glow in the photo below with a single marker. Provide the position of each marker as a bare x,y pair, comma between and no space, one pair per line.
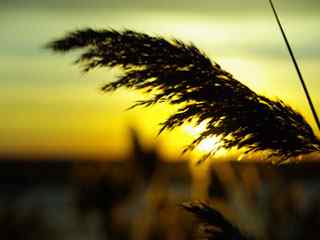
207,144
195,130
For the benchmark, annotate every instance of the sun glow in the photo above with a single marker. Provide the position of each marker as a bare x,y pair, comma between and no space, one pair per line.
195,130
207,144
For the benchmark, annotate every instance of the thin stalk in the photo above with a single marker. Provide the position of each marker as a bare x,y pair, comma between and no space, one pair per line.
296,66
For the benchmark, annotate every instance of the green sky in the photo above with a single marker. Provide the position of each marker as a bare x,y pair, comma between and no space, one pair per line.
49,107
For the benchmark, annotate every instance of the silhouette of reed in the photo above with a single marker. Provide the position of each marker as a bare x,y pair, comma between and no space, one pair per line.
180,74
214,225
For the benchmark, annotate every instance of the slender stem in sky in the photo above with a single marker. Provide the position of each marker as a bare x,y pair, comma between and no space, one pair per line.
296,66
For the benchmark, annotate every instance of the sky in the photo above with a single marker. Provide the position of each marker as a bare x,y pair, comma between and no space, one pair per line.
47,106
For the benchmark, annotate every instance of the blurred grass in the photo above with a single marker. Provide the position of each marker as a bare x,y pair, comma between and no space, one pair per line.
139,198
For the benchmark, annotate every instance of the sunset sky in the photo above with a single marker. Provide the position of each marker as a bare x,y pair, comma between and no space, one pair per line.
47,106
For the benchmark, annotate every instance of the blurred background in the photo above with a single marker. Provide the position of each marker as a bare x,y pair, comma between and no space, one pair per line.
140,197
76,165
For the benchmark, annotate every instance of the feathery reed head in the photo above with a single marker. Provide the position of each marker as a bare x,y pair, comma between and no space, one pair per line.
214,225
180,74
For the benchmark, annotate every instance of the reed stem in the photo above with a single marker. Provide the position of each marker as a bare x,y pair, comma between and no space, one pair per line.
313,110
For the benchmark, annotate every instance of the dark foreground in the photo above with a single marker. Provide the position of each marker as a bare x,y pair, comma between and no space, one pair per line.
72,199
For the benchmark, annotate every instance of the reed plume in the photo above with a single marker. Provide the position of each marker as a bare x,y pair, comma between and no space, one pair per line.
214,225
180,74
